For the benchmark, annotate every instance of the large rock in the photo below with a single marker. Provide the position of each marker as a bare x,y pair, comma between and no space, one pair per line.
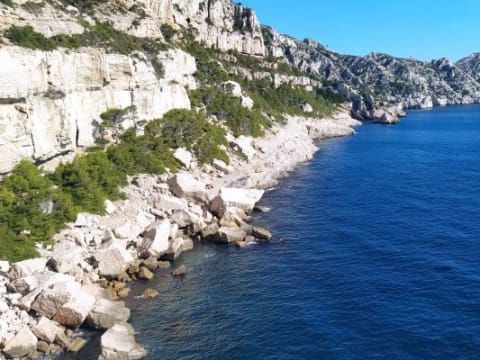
118,343
54,297
27,267
185,185
155,238
244,199
106,313
47,329
229,234
183,156
168,204
74,312
111,263
22,344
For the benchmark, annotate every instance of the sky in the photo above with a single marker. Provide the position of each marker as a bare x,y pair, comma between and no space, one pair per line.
423,29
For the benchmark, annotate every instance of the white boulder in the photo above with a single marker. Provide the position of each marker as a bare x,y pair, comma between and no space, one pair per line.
169,204
155,238
27,267
244,199
185,185
74,312
22,344
111,262
47,329
118,342
106,313
184,157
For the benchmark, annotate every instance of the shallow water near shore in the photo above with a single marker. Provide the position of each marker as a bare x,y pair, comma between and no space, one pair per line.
375,255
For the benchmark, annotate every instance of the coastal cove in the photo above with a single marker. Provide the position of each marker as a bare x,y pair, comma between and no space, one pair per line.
352,271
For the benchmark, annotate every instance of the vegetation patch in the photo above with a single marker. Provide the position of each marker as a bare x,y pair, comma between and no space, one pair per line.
34,205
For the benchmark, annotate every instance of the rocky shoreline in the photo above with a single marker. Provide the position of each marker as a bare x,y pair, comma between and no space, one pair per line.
79,280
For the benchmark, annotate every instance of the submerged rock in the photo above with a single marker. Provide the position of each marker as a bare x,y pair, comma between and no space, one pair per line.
261,233
180,271
150,293
144,273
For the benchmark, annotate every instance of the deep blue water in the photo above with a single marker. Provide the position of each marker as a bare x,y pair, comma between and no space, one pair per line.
376,255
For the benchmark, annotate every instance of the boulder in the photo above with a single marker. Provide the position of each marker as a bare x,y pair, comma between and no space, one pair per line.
144,273
106,313
185,185
243,143
151,263
155,238
111,263
118,342
86,220
53,297
110,207
77,344
185,218
229,234
261,233
47,329
168,204
164,265
63,340
22,344
4,266
26,267
123,293
244,199
209,231
74,312
222,166
180,271
184,157
150,293
125,231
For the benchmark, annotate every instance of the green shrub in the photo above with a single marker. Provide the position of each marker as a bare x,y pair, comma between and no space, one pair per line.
33,7
158,67
6,2
168,32
26,37
25,217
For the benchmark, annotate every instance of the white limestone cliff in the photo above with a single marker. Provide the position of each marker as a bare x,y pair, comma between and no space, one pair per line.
50,102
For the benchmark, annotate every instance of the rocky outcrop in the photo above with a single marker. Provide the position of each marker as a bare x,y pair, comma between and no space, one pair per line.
50,102
218,23
381,86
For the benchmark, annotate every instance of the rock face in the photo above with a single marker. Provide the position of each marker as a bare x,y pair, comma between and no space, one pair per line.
386,83
50,102
218,23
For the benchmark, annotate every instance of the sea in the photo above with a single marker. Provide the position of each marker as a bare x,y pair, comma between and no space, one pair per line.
375,255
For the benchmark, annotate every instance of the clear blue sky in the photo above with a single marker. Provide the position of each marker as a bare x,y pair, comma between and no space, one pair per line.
424,29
